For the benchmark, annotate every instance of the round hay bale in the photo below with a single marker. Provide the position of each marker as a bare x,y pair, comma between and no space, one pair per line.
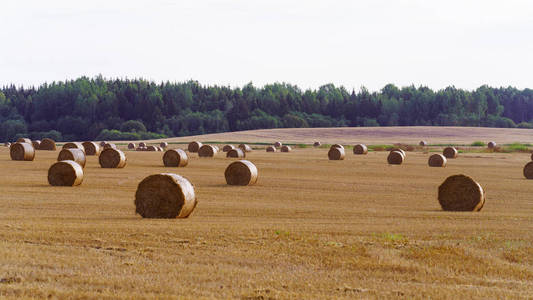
227,148
92,148
317,144
73,145
65,173
278,144
286,148
7,144
140,149
207,151
360,149
22,151
76,155
36,144
241,172
165,195
245,148
450,152
461,193
160,149
491,145
24,140
423,143
270,149
437,160
336,153
337,146
528,170
142,144
175,158
47,144
102,144
399,150
112,158
163,145
131,146
110,146
395,158
236,153
194,146
216,148
151,148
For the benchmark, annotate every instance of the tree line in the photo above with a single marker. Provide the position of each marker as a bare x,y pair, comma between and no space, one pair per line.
105,109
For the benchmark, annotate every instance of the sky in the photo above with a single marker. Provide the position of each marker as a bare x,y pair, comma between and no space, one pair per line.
308,43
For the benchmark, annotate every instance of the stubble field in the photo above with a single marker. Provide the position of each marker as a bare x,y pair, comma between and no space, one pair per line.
310,228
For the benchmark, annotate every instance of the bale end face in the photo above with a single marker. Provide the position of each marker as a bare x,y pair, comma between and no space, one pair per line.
245,148
194,146
286,148
491,145
236,153
360,149
36,144
437,160
461,193
163,145
450,152
72,154
395,158
92,148
207,151
241,172
528,170
423,143
131,146
65,173
165,195
336,153
47,144
175,158
317,144
73,145
278,144
227,148
112,158
22,152
270,149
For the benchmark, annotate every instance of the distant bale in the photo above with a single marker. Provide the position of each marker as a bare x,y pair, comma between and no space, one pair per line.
92,148
151,148
423,143
270,149
140,149
131,146
227,148
399,150
76,155
286,148
450,152
163,145
317,144
102,144
528,170
175,158
160,149
278,144
110,146
491,145
207,151
142,144
36,144
24,140
245,148
112,158
437,160
74,145
165,195
336,153
194,146
360,149
47,144
7,144
241,172
65,173
337,146
395,158
461,193
236,153
22,151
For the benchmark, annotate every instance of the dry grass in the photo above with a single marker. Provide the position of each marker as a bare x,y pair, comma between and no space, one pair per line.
309,228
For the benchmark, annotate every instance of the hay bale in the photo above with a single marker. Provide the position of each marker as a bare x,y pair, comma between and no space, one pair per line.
461,193
151,148
360,149
337,146
395,158
102,144
207,151
92,148
491,145
450,152
160,149
165,195
73,145
241,172
131,146
227,148
7,144
528,170
317,144
110,146
76,155
163,145
48,144
175,158
399,150
437,160
270,149
423,143
245,148
286,148
65,173
194,146
22,151
236,153
142,144
36,144
216,148
141,149
112,158
24,140
278,144
336,153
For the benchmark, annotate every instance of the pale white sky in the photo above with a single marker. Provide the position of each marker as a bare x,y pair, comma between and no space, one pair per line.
304,42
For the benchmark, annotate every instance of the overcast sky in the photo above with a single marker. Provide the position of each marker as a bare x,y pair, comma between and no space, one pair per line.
308,43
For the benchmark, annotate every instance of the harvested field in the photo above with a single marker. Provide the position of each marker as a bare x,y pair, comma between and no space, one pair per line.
309,228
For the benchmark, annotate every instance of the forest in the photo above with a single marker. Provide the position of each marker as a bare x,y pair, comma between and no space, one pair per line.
123,109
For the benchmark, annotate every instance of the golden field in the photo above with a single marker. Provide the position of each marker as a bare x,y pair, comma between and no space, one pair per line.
310,228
